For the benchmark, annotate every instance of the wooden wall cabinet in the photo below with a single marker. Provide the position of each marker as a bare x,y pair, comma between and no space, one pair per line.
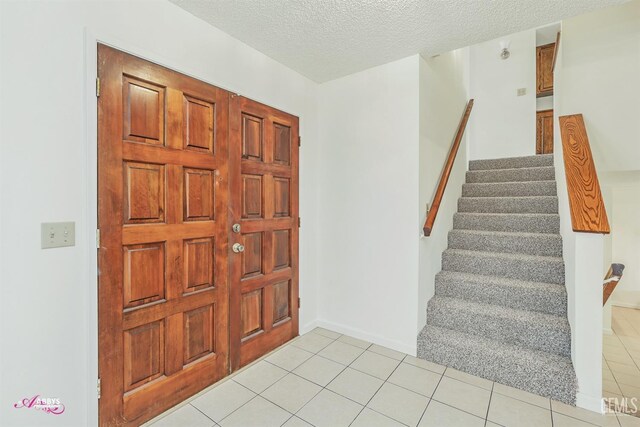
544,69
544,132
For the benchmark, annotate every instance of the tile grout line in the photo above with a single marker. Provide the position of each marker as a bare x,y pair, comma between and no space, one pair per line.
228,378
624,346
376,392
214,421
231,378
615,379
611,370
292,343
293,373
486,416
299,376
324,387
606,361
403,360
384,381
431,398
400,362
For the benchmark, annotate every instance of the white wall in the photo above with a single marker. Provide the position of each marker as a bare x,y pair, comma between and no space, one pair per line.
601,69
443,97
47,311
597,75
544,103
583,255
625,245
607,195
368,207
503,124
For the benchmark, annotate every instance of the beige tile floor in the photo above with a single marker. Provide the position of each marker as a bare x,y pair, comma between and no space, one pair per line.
621,357
327,379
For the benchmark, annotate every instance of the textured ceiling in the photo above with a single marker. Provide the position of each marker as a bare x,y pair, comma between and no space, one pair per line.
326,39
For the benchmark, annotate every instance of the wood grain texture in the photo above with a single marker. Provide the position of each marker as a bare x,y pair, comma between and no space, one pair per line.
163,257
544,69
446,172
263,182
588,213
611,280
544,132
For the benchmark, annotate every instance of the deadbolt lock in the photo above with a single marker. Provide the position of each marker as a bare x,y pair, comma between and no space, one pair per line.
237,248
235,228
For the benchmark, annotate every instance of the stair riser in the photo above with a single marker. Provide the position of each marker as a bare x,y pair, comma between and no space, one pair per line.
534,270
508,330
548,205
540,244
509,189
513,223
543,300
538,376
511,175
512,162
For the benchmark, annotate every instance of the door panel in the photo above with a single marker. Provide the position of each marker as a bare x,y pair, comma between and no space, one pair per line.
264,201
544,69
163,259
544,132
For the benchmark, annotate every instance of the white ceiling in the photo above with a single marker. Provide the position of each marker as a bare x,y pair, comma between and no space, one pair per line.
326,39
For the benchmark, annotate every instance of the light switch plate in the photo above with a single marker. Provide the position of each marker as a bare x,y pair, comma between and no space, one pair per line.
57,234
522,91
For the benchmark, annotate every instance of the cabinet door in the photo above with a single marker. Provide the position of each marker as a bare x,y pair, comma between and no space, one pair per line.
544,69
544,132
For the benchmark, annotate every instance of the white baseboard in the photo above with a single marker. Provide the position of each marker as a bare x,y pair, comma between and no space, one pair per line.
626,305
376,339
590,403
607,331
308,327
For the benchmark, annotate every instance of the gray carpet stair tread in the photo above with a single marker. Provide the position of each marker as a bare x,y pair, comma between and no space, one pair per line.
518,294
525,204
539,331
509,189
512,162
531,223
534,371
544,173
517,266
506,241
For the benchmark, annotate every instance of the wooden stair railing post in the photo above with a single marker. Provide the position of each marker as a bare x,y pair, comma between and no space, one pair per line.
588,213
446,172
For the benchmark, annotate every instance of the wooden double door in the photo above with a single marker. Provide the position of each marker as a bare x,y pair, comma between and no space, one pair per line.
188,176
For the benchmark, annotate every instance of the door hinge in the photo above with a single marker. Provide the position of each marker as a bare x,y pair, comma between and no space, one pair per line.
98,87
98,387
298,302
299,222
299,141
98,239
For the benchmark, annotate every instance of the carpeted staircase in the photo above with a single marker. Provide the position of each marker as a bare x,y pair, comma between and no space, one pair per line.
500,305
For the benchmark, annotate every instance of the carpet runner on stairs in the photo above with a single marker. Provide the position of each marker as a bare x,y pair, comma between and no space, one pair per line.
500,305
